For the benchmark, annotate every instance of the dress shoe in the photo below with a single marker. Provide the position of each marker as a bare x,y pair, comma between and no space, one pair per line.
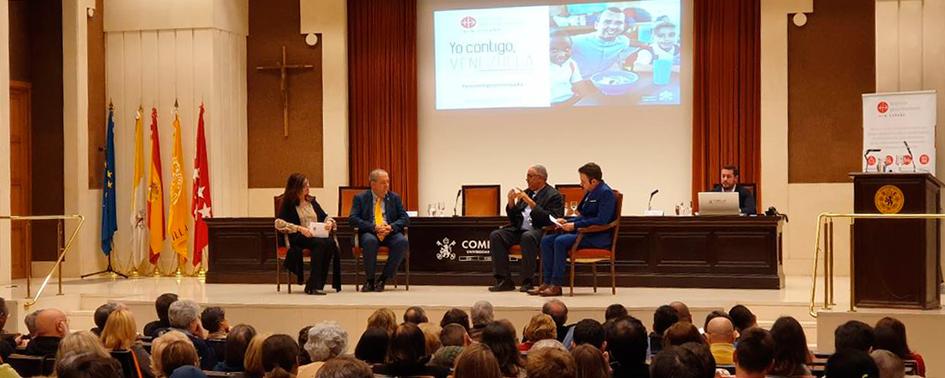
551,291
379,286
503,285
526,286
311,291
538,290
367,287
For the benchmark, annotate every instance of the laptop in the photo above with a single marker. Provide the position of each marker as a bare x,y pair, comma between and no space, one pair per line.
718,203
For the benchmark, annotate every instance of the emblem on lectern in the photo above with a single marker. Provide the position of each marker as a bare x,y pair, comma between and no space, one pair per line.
889,199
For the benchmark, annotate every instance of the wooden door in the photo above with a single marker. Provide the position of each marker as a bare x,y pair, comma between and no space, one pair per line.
20,175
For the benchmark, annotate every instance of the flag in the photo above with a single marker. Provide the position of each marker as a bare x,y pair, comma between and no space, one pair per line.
139,242
200,204
177,214
109,221
155,195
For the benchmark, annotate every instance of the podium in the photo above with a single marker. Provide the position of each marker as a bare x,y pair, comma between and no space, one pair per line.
895,262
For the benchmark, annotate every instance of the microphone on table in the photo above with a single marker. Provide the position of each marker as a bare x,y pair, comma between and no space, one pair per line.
909,150
866,156
649,205
456,201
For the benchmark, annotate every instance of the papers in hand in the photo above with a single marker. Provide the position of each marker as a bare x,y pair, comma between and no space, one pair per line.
554,221
318,229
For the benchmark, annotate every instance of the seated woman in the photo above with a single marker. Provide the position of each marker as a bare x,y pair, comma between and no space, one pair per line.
598,207
298,213
407,355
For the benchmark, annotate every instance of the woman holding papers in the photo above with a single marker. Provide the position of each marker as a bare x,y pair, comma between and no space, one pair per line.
308,227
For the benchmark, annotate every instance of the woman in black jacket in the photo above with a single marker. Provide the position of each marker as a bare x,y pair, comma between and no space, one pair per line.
298,214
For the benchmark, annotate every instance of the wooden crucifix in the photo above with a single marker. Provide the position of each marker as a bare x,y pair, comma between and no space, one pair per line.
284,68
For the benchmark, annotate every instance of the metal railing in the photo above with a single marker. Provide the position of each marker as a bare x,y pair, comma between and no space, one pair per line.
61,249
825,229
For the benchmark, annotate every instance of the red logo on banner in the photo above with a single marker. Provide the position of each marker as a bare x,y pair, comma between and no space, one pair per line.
882,107
871,161
906,159
923,159
468,22
889,160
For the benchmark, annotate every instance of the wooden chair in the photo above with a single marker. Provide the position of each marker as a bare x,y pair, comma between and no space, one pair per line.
346,198
481,200
570,192
595,255
281,251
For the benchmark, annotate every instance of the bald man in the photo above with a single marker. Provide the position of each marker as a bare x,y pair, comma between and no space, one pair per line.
720,333
682,311
51,327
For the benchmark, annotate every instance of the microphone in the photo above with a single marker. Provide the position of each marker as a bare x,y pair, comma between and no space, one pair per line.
456,201
649,205
909,150
866,156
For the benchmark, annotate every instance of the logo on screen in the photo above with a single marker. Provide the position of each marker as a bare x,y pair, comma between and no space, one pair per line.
467,22
882,107
924,159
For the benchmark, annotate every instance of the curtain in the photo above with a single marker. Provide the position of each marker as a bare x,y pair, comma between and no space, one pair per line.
382,93
726,117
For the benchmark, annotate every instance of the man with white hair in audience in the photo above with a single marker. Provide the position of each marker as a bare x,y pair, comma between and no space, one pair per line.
482,314
888,363
184,316
326,340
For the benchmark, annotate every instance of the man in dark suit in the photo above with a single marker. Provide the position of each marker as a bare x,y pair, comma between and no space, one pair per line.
528,213
51,327
746,200
380,218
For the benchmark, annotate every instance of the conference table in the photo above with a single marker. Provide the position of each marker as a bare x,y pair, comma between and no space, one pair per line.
652,251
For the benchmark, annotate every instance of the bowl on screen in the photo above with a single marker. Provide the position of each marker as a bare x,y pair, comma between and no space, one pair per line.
614,83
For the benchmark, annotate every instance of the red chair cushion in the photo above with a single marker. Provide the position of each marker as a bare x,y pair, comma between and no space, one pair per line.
381,251
282,251
592,253
516,250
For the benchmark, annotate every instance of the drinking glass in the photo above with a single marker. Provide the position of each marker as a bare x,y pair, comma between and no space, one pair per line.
442,207
430,210
573,207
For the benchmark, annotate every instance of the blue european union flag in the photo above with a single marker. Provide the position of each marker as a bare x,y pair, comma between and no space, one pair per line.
109,219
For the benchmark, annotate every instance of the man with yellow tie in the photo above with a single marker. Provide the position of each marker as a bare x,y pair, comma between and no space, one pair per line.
380,218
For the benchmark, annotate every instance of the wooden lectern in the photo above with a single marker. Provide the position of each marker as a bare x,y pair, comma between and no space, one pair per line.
896,261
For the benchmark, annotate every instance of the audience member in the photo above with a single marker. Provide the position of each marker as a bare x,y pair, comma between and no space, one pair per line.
851,362
79,343
407,355
589,362
754,353
625,339
682,311
548,343
383,318
280,356
101,316
372,346
891,335
415,315
675,362
252,361
454,335
161,306
558,312
188,371
712,315
431,337
446,356
500,338
7,344
177,353
51,327
550,363
183,316
720,333
477,361
853,334
30,321
235,351
481,315
791,355
456,316
345,367
120,333
663,318
214,321
706,365
588,331
888,364
680,333
326,340
742,318
304,358
158,346
540,327
614,311
87,365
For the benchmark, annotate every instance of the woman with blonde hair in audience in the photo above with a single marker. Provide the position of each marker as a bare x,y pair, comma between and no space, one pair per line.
431,336
157,349
477,361
280,356
178,353
590,362
81,342
383,318
252,362
540,327
120,333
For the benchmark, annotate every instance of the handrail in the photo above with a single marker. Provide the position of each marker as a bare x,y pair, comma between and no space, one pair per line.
827,219
62,252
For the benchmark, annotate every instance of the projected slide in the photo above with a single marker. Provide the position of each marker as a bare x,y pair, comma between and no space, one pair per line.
588,54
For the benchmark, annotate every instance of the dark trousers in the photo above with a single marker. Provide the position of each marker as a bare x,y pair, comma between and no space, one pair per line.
396,242
323,252
554,254
504,238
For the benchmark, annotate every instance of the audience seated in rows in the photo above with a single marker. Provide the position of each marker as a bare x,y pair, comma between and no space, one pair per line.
161,305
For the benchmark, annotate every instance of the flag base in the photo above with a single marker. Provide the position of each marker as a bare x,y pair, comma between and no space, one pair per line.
111,272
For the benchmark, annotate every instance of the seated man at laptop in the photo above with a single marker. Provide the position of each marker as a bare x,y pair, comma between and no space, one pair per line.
746,200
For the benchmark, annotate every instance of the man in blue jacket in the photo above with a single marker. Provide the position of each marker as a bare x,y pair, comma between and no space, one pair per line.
598,207
380,218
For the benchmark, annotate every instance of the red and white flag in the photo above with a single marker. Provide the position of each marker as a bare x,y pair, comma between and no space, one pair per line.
200,205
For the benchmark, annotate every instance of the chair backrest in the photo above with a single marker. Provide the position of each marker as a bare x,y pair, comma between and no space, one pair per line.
616,221
570,192
219,348
126,359
346,198
26,366
277,205
481,200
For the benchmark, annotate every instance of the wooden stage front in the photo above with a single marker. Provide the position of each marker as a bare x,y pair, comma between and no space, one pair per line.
700,252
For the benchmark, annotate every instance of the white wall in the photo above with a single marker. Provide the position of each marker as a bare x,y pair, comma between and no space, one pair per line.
6,259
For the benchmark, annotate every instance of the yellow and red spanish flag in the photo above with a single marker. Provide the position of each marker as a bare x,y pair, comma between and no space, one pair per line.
155,195
200,205
178,213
